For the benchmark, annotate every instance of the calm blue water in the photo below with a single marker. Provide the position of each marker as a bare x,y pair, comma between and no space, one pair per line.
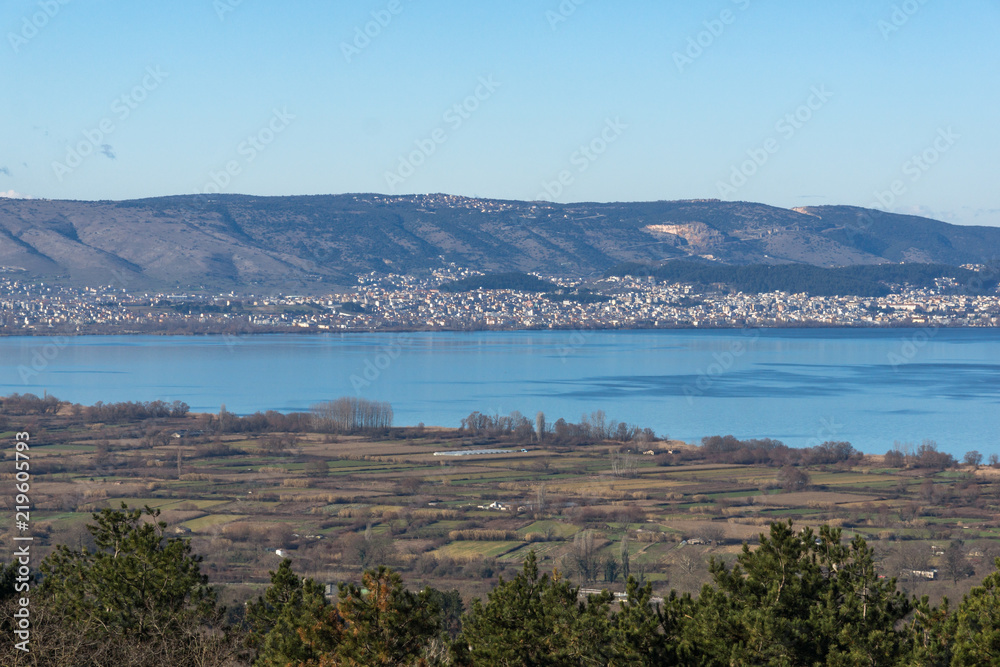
870,387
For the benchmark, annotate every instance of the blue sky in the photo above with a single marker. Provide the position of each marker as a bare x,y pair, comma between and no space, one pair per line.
580,100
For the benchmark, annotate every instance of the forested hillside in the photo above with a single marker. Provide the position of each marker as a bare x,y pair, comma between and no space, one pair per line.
865,280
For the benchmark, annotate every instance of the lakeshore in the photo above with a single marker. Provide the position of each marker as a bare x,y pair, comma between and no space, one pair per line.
869,386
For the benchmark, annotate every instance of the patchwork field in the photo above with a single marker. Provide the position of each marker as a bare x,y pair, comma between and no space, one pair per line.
339,503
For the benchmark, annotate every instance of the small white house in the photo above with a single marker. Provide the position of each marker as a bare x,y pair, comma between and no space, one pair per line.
925,574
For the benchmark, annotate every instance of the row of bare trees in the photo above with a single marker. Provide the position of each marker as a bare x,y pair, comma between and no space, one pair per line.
259,422
926,455
127,411
729,449
350,415
595,427
29,404
495,425
586,560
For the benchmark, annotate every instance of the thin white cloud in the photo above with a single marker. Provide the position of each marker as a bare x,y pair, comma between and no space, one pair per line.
10,194
921,211
965,215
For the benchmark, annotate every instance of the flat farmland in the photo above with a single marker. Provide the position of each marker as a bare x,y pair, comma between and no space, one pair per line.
814,499
460,550
338,503
211,521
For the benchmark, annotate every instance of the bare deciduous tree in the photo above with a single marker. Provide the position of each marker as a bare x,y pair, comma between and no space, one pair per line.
350,414
973,459
584,555
624,464
625,557
612,568
540,499
955,563
791,478
369,549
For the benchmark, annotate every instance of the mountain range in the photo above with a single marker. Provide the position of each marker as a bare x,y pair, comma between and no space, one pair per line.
314,243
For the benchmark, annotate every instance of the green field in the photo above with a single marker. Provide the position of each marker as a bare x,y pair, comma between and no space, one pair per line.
558,529
210,521
474,549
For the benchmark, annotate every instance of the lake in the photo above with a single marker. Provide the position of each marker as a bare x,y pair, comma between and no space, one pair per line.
803,386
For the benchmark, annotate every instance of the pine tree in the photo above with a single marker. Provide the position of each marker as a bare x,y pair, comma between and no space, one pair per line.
381,623
928,635
977,624
798,599
8,575
646,634
626,557
137,592
858,611
274,620
8,595
536,620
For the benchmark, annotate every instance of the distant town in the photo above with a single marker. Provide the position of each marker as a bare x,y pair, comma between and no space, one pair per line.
405,302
